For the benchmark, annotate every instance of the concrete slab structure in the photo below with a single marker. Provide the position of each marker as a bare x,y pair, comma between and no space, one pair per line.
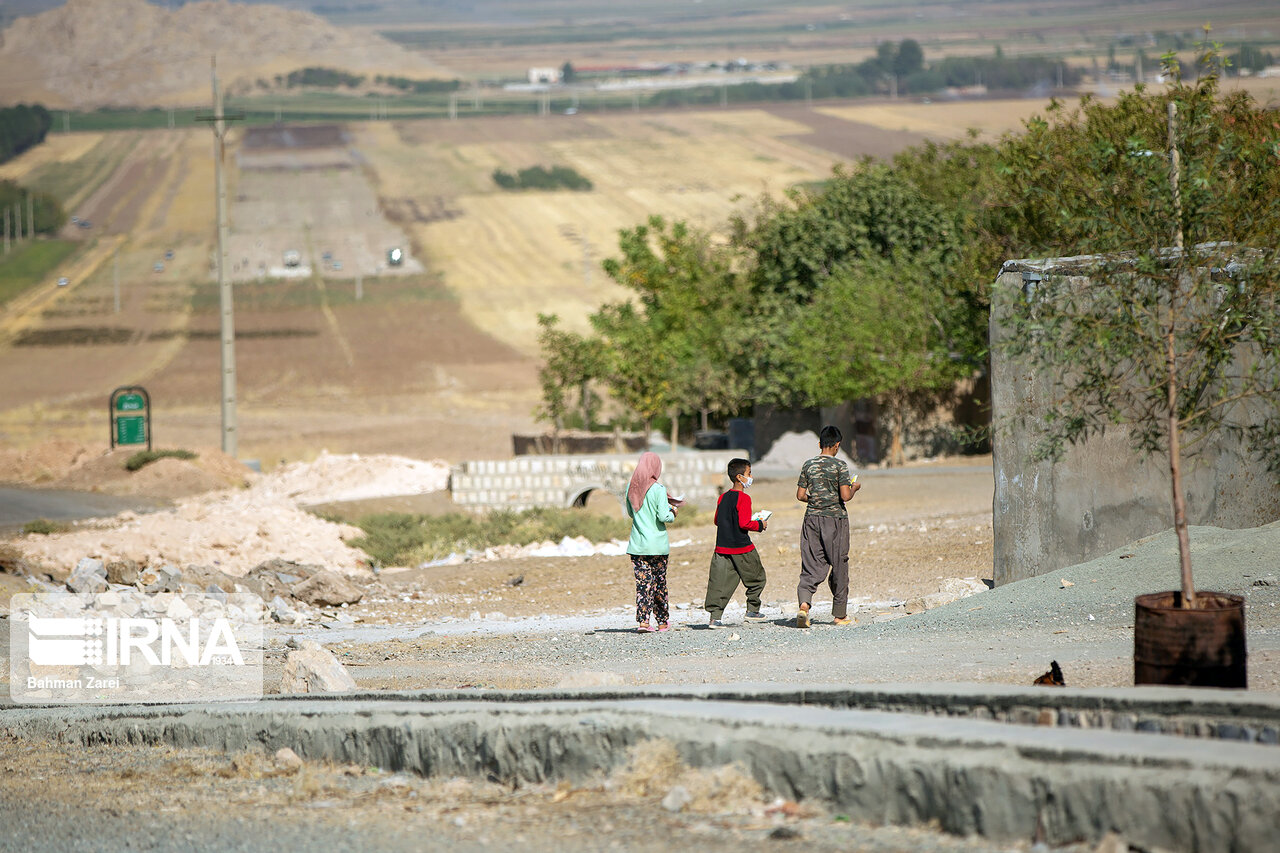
566,480
970,776
1100,496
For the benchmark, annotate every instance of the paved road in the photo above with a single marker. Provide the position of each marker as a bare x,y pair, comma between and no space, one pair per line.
19,506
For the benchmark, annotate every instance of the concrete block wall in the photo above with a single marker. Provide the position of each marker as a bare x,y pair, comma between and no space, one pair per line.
563,481
1100,496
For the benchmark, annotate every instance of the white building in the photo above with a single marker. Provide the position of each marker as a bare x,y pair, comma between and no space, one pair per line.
544,75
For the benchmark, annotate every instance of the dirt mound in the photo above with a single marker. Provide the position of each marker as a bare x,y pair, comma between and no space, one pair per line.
95,53
348,477
69,465
172,478
232,529
43,464
793,449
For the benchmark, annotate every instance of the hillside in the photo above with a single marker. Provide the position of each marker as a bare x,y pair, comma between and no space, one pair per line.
103,53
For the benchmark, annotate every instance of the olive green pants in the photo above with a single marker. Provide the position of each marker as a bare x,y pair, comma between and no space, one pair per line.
727,570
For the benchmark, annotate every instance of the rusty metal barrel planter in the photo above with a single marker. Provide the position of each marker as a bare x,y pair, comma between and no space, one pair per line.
1200,647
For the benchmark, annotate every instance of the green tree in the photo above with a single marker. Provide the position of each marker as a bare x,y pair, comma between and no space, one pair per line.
878,329
679,330
571,363
795,246
1177,337
909,58
46,211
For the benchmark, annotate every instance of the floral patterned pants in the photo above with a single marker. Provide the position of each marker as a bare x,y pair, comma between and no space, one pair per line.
651,587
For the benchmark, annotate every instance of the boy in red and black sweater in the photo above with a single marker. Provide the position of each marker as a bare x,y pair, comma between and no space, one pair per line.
735,558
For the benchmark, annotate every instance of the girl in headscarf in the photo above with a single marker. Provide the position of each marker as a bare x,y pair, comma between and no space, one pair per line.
648,547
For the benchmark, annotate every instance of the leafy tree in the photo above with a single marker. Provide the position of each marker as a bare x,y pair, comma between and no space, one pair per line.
48,214
795,246
909,58
674,348
1179,345
22,127
864,212
572,362
878,329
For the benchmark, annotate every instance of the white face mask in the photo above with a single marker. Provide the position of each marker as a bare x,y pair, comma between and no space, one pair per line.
746,484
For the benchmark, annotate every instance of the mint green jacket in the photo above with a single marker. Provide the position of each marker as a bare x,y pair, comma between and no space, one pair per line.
649,523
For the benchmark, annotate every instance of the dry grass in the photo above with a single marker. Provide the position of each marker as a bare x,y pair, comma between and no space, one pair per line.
654,767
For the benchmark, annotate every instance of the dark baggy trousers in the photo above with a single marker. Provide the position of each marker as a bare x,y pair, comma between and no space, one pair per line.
722,581
824,555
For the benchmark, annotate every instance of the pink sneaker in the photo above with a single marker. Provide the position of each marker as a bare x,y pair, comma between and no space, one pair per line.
665,626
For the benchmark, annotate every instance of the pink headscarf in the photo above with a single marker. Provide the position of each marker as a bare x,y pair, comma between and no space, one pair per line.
648,470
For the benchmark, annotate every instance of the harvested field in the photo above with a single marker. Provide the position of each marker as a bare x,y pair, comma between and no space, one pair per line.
942,119
542,250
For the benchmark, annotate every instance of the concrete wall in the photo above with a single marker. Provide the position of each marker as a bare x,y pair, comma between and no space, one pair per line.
531,481
1100,496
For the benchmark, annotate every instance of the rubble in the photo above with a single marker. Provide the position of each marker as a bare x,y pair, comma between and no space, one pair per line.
89,575
326,588
314,669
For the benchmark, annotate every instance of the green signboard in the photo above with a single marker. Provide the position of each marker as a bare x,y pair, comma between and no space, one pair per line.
131,429
130,410
130,403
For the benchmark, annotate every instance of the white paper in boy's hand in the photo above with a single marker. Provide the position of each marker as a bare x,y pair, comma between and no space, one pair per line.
675,500
762,515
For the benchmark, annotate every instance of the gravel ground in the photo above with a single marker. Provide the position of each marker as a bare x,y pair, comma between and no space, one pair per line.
1009,634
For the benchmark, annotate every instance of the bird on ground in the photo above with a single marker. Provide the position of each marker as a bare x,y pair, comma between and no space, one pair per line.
1052,678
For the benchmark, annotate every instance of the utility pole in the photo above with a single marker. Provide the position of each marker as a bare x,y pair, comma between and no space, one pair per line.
17,221
31,219
227,328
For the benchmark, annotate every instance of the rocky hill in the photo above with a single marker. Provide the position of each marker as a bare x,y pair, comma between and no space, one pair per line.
100,53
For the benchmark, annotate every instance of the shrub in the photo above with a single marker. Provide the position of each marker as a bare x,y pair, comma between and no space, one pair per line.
146,457
44,527
542,178
400,539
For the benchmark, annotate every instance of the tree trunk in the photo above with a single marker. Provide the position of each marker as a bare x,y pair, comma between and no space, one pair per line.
584,397
675,429
1175,476
896,455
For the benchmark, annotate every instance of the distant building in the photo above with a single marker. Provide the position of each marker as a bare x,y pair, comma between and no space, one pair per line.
544,75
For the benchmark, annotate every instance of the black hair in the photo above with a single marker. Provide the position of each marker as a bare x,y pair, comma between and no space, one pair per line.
736,468
830,436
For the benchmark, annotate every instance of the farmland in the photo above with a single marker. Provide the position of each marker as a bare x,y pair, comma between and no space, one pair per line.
431,358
